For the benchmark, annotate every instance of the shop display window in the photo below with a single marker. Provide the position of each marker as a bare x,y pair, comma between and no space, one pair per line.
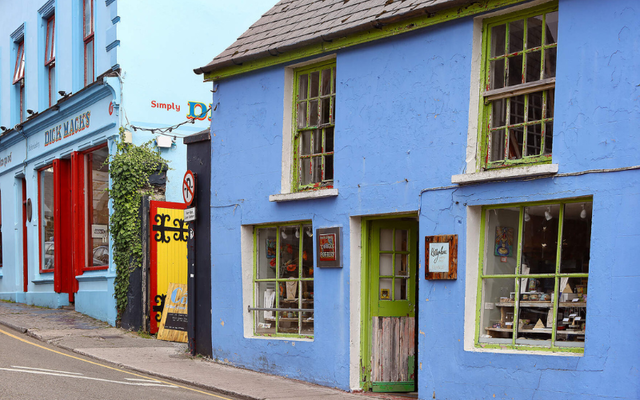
46,218
534,271
283,280
96,205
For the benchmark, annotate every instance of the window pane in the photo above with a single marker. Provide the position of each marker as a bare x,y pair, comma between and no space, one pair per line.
496,322
533,66
305,171
313,113
535,317
315,83
305,142
265,298
551,21
498,34
572,312
516,110
87,18
550,102
516,141
401,239
515,70
516,36
266,253
386,239
303,86
317,141
326,82
499,113
550,62
497,145
97,207
386,264
535,106
316,168
289,252
307,252
46,215
52,84
576,238
328,168
88,62
540,241
306,318
402,264
497,74
400,289
548,137
534,31
328,137
326,111
302,114
385,288
289,321
534,140
502,242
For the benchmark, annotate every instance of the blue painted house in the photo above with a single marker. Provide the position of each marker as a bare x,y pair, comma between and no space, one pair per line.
72,73
437,197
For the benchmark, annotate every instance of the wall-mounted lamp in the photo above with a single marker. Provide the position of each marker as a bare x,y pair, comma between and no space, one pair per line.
63,93
3,128
29,111
309,232
547,214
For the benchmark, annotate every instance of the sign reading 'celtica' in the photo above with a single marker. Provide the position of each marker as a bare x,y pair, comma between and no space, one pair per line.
67,128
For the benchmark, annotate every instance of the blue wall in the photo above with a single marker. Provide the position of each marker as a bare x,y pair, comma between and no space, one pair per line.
401,127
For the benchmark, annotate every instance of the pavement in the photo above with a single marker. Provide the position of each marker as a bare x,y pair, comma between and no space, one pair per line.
84,335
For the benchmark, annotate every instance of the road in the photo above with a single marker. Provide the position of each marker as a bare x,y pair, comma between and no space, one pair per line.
30,369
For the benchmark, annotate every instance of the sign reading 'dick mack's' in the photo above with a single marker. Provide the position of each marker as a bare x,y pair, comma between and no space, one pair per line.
67,128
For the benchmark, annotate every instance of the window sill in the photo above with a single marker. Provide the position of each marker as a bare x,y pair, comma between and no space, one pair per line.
281,338
310,195
92,276
43,281
505,173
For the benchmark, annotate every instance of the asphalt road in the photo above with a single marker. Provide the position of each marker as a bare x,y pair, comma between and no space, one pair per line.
30,369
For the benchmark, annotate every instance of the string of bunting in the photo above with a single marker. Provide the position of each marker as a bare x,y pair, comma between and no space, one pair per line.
167,131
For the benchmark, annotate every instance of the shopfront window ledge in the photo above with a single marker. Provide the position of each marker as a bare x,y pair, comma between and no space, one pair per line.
92,276
281,338
310,195
505,173
47,280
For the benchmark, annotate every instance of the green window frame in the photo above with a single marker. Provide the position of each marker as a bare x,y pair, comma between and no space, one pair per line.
314,124
532,286
518,81
283,295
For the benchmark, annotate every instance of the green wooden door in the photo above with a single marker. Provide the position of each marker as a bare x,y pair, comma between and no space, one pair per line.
392,259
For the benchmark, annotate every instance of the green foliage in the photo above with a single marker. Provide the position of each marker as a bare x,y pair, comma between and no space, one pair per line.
129,169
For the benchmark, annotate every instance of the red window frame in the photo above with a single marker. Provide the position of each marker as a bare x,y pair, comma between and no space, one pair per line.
41,238
87,37
87,209
50,57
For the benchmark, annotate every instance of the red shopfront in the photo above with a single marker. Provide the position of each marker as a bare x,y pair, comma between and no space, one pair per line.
73,210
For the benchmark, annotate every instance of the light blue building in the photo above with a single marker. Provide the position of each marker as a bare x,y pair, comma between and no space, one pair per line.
72,73
480,163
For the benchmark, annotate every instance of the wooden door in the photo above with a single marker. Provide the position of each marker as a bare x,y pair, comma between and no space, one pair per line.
392,298
169,264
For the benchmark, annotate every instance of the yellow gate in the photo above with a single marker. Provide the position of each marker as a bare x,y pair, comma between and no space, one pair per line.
169,236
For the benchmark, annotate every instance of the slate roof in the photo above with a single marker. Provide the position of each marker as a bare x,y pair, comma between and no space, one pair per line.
292,24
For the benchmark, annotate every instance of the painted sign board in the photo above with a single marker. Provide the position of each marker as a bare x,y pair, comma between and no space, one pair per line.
328,247
173,326
441,257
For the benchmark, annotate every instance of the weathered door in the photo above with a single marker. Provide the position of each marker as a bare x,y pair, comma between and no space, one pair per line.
392,262
168,261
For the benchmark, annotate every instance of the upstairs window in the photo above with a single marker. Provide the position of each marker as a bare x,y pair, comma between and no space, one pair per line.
314,99
50,59
87,34
519,67
18,77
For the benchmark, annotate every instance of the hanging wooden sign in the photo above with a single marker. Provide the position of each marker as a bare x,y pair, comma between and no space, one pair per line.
173,326
441,257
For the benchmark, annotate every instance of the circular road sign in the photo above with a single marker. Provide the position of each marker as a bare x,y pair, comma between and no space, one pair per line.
188,187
